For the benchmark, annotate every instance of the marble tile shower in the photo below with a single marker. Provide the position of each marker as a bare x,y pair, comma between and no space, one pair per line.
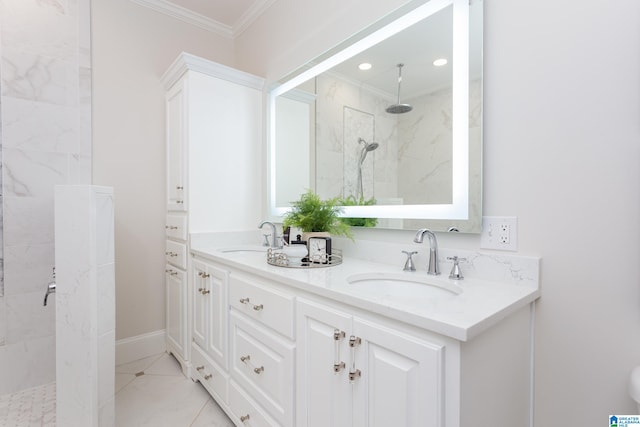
45,88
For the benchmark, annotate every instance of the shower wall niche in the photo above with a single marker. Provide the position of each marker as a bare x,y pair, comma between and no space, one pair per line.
46,140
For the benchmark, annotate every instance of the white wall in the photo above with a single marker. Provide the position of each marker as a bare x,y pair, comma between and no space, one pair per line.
562,146
132,47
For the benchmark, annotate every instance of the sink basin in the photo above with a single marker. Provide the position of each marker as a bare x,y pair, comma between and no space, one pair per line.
243,249
402,285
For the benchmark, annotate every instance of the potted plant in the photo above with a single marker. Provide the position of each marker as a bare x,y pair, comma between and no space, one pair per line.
311,214
358,222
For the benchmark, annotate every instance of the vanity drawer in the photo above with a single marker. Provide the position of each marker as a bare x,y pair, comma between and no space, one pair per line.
176,227
246,410
263,362
270,306
176,254
213,378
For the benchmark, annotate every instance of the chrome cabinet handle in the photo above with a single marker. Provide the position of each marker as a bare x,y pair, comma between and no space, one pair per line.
170,227
244,300
244,418
205,291
208,377
179,187
258,307
171,254
200,368
180,202
245,358
338,365
258,370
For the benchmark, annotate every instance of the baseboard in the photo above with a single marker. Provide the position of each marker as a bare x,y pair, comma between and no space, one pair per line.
140,346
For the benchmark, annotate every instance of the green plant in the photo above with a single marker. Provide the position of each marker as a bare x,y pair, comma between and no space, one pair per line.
311,213
358,222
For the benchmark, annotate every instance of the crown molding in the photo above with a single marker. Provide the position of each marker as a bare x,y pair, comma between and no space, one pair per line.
247,18
186,15
206,23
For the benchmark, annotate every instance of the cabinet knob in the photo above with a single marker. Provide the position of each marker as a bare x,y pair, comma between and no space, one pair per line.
170,227
180,202
354,375
338,367
208,377
200,368
205,291
244,300
245,358
258,370
179,187
200,290
244,418
258,307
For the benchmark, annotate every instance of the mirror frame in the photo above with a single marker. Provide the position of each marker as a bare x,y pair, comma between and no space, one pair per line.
379,31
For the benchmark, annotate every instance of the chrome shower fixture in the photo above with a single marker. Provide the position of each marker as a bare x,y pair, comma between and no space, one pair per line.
399,108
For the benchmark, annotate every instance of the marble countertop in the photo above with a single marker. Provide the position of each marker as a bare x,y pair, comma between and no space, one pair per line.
480,304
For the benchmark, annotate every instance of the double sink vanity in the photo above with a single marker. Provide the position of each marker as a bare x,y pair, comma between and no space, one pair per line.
362,343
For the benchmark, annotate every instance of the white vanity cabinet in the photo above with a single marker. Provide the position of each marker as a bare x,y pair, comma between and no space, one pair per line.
262,350
353,371
213,123
303,355
176,309
209,314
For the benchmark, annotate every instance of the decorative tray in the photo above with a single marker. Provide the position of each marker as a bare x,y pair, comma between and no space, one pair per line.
280,259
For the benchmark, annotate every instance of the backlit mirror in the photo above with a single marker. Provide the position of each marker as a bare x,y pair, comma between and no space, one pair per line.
399,140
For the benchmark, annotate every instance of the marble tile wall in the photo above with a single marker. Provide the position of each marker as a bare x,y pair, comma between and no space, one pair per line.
344,113
413,162
45,98
85,305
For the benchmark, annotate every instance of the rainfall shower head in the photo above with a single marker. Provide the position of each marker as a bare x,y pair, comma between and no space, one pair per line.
399,108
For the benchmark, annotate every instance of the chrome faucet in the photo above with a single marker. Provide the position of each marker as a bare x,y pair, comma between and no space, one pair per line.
432,267
51,287
275,239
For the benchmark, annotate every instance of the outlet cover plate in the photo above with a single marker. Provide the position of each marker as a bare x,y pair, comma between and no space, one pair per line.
499,232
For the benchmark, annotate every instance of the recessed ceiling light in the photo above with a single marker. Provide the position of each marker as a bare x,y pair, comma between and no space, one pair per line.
365,66
440,62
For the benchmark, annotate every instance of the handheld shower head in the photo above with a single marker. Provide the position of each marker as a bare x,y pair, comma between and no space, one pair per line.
368,146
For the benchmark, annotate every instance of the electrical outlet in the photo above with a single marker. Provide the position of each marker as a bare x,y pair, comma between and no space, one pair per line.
499,232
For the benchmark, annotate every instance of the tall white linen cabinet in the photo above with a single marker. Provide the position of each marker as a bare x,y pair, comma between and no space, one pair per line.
213,138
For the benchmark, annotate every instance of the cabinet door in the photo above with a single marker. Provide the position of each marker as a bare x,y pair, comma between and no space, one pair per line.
323,395
217,310
176,146
402,378
210,310
176,309
199,310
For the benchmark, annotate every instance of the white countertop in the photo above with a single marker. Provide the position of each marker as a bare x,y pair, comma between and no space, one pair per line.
481,304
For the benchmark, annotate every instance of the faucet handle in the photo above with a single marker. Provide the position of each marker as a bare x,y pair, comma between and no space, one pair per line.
408,265
456,273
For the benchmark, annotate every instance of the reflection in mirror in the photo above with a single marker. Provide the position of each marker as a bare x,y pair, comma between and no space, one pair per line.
339,130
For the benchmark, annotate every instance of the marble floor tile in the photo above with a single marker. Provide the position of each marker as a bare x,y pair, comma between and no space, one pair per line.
122,380
149,392
212,416
137,365
165,365
159,401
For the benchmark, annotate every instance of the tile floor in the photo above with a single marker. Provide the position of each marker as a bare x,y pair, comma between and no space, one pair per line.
149,392
163,397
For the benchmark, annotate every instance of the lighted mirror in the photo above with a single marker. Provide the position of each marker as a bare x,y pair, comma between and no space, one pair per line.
398,140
